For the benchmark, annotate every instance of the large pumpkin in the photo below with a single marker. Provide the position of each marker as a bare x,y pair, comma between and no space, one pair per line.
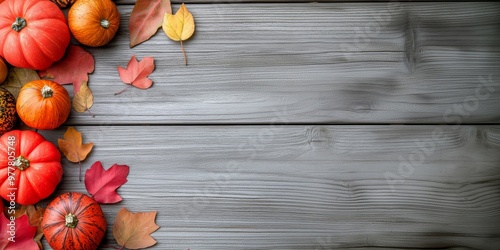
43,104
8,117
33,33
93,22
74,221
30,167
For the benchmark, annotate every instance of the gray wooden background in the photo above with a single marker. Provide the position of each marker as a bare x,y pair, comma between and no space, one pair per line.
325,125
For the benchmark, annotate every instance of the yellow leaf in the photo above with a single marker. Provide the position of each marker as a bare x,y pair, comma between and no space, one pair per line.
71,146
83,99
179,27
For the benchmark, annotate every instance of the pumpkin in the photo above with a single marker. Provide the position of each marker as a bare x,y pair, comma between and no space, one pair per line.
43,104
30,167
33,33
8,117
93,22
73,221
4,71
63,3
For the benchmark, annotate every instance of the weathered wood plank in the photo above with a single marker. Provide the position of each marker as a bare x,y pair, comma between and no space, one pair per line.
306,187
312,63
129,2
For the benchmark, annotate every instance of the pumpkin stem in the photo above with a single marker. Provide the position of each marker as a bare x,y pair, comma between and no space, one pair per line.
105,23
71,220
47,91
22,163
19,24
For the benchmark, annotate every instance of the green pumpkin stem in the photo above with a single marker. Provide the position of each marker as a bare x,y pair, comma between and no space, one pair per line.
105,23
22,163
47,91
71,220
19,24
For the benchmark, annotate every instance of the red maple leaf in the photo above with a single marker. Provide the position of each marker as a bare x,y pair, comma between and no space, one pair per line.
17,233
73,68
136,74
102,184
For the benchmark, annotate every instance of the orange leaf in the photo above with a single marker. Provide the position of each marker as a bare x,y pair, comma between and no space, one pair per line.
146,18
179,27
71,146
35,215
132,230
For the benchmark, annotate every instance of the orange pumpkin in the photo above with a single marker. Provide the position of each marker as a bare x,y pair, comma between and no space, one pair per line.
74,221
93,22
43,104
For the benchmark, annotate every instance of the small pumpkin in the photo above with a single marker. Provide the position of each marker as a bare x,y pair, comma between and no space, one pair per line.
43,104
74,221
33,33
4,71
8,116
30,166
94,22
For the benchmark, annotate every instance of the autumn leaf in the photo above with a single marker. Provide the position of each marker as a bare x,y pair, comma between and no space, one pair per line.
136,74
83,99
16,79
179,27
19,236
35,215
132,230
102,184
146,18
73,68
73,148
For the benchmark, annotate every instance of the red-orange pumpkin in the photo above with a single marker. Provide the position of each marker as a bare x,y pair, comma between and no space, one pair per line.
30,167
74,221
43,104
33,33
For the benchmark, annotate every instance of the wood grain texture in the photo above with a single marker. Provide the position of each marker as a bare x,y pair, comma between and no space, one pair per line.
131,2
305,187
329,63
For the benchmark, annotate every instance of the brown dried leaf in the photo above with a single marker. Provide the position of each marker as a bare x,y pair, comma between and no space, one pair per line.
83,99
132,230
16,79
